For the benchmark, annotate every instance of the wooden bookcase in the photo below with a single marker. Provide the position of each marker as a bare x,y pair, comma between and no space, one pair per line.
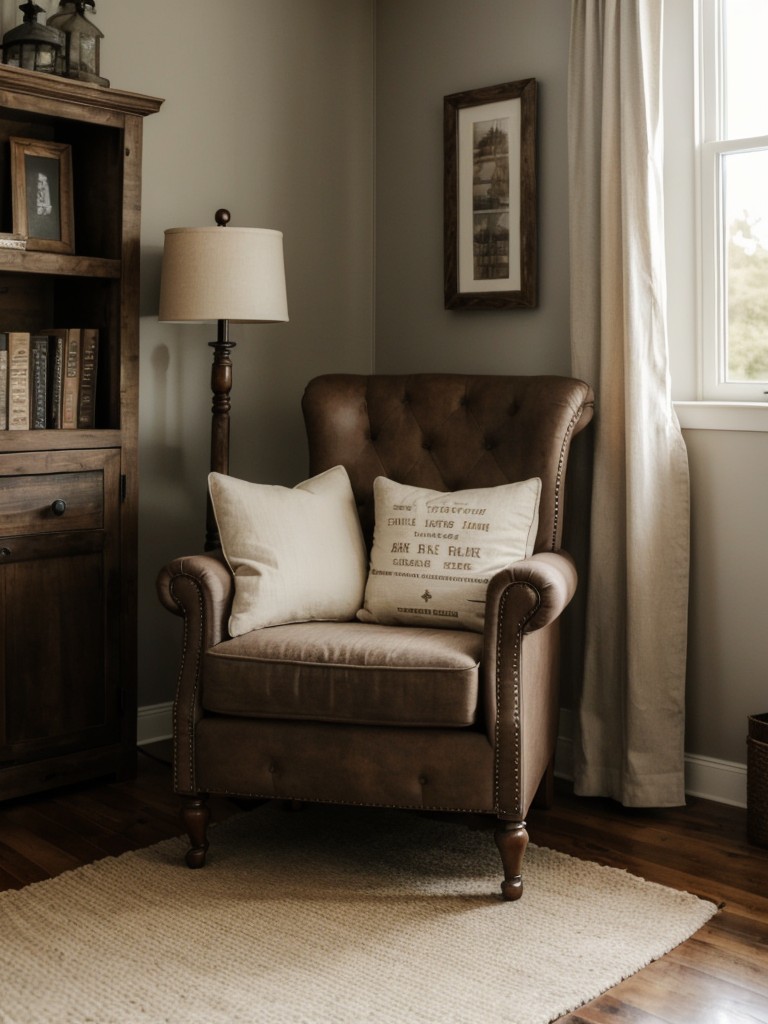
68,498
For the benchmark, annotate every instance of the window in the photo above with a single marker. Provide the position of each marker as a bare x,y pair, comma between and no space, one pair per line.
733,152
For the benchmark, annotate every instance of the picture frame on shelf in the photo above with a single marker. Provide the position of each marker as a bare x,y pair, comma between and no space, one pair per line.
490,214
41,188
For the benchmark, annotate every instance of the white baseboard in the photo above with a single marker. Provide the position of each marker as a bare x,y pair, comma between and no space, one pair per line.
154,723
705,777
711,779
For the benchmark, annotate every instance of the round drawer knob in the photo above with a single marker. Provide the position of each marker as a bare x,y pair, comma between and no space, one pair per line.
5,552
58,507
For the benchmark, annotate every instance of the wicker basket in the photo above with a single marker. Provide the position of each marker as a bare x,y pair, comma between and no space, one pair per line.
757,780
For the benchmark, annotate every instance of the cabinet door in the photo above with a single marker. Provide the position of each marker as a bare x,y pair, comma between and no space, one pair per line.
59,603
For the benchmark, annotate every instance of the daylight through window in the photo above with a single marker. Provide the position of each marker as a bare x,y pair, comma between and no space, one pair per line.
734,198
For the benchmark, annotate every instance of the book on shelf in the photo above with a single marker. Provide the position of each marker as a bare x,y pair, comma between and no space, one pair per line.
3,381
56,340
70,388
49,379
38,394
12,241
89,362
18,380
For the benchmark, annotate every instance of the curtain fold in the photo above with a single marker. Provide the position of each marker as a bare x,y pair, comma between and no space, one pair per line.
630,715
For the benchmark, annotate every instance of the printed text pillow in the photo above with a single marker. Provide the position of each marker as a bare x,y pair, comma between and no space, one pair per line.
434,553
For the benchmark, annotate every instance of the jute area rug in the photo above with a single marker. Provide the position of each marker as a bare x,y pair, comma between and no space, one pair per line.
329,916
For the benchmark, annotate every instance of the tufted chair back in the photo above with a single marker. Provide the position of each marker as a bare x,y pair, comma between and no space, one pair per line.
447,432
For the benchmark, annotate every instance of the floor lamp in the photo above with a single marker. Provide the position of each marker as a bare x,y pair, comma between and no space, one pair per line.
218,275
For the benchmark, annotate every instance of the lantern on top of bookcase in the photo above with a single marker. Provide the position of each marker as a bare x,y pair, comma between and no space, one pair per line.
32,45
82,39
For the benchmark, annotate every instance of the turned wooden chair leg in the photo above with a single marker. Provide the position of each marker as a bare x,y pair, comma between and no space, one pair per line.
512,840
195,816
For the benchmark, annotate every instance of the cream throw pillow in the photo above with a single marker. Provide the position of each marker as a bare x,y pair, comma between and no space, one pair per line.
296,553
434,553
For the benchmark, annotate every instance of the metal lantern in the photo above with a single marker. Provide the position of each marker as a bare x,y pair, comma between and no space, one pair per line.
31,45
80,56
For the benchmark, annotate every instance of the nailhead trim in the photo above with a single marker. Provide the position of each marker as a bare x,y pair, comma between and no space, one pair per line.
198,657
560,464
515,698
354,803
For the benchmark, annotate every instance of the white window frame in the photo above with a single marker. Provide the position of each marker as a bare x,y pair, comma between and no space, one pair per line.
711,148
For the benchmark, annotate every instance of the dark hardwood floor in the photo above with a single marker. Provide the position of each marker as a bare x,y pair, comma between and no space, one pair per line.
719,976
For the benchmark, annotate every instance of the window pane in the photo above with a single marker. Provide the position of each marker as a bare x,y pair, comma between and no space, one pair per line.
746,68
746,220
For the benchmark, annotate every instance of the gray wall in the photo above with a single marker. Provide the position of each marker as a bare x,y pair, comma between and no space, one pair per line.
728,634
424,51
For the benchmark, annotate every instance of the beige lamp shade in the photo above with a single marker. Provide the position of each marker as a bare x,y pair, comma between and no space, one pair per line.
223,273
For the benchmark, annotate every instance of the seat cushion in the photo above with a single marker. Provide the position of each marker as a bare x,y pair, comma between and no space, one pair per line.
347,672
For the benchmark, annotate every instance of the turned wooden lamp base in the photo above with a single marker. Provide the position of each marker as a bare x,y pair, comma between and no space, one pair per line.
221,385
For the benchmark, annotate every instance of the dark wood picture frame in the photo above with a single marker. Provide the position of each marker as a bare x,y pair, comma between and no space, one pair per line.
41,185
490,223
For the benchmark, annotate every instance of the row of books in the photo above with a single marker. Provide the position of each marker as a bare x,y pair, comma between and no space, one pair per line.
48,380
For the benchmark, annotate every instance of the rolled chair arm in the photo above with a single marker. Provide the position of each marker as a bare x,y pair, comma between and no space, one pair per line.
523,604
533,592
201,588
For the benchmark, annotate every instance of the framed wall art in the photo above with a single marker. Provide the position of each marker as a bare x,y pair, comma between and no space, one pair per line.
490,197
41,185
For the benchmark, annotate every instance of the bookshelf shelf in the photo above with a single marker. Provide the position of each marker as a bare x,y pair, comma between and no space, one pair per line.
63,440
47,263
68,497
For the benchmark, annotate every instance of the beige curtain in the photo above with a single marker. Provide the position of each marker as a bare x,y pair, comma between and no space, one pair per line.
629,742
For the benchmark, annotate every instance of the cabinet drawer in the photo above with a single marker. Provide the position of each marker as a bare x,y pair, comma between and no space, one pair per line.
52,502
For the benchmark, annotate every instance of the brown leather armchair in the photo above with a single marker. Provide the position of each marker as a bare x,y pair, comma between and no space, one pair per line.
489,749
